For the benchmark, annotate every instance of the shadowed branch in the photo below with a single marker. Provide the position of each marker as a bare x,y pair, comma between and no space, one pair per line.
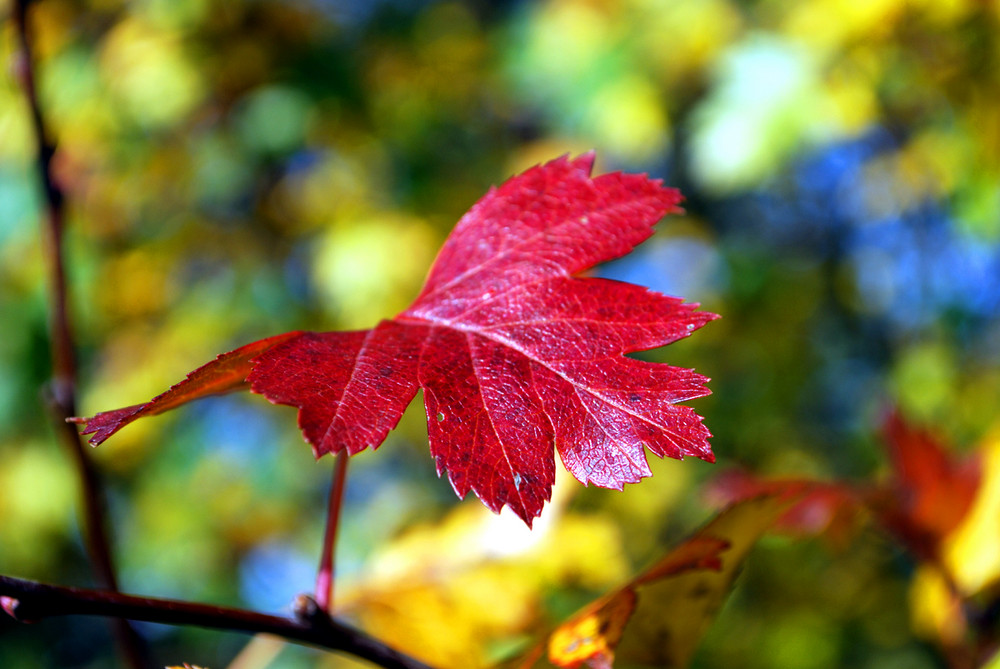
30,601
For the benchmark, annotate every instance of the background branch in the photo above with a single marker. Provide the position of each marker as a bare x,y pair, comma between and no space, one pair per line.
29,601
62,389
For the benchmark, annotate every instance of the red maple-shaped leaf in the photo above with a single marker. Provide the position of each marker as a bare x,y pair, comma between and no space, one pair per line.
514,354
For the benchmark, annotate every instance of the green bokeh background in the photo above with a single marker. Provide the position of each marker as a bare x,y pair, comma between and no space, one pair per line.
239,169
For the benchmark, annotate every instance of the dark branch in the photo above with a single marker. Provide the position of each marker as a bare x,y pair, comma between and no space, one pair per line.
62,389
35,601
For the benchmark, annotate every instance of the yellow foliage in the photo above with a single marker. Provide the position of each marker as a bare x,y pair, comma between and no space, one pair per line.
569,38
150,72
924,380
828,24
353,172
593,636
37,494
627,116
970,555
935,612
135,283
15,123
675,611
972,551
658,618
370,266
698,30
852,99
443,591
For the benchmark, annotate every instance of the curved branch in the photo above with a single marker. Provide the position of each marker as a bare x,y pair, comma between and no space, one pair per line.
30,601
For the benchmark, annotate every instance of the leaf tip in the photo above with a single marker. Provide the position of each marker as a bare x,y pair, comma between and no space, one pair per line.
86,429
585,161
104,424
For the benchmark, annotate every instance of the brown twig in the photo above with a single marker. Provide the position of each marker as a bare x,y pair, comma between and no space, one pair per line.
62,388
30,601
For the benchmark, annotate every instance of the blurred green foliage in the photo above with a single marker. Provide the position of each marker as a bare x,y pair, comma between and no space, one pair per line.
239,169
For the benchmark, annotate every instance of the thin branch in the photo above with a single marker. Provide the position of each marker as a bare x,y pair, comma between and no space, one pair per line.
63,359
62,389
325,575
29,601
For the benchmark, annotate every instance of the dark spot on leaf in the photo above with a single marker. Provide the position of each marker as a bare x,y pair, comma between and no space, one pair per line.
385,371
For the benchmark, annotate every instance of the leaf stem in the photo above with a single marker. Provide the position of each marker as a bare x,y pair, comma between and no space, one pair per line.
62,388
29,601
325,575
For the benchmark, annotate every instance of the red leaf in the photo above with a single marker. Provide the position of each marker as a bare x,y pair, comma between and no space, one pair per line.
930,491
512,352
226,373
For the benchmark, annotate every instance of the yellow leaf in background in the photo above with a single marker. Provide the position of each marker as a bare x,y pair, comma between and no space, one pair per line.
37,490
673,613
627,116
150,72
698,29
444,592
568,39
659,617
970,560
372,264
935,612
829,24
972,552
592,636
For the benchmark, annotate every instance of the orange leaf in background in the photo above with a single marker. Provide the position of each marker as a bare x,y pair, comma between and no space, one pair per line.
824,508
592,635
942,507
930,491
659,617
